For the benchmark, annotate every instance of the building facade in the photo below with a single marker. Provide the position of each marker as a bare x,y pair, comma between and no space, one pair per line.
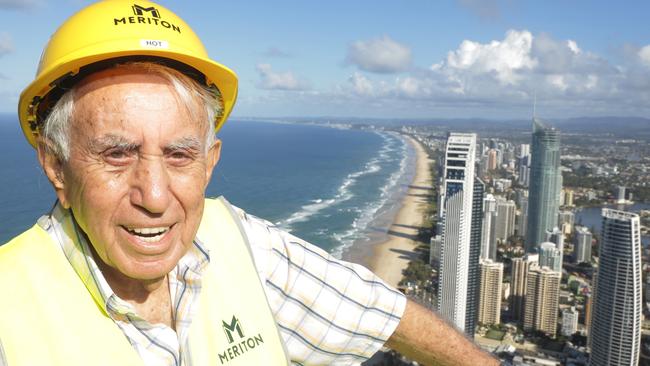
474,272
490,294
550,256
616,320
488,233
542,300
582,247
545,184
569,321
518,278
506,212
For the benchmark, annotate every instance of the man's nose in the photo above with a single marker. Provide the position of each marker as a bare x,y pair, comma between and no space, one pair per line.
151,185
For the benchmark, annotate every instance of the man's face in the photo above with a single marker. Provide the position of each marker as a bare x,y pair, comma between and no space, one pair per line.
137,172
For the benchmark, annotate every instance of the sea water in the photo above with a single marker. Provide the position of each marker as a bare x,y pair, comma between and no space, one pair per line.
333,187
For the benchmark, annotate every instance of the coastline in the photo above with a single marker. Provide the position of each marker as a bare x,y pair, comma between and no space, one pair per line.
389,257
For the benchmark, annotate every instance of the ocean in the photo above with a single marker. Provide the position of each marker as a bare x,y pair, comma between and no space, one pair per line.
333,187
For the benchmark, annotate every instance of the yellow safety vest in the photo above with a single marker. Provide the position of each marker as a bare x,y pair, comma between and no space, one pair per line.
48,317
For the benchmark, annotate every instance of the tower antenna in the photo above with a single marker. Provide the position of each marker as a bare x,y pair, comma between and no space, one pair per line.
535,104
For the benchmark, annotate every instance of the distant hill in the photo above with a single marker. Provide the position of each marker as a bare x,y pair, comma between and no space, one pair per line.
623,127
616,126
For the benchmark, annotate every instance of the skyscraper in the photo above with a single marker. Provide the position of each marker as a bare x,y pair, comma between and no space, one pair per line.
522,219
545,184
556,236
506,211
457,207
489,241
616,320
549,256
519,278
490,294
473,273
582,248
542,299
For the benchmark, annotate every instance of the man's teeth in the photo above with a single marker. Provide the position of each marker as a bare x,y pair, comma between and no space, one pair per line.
149,234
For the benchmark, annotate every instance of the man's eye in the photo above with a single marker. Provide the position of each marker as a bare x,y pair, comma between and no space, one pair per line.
180,157
116,157
117,154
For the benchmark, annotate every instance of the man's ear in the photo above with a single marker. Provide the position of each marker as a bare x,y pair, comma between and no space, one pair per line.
212,159
53,168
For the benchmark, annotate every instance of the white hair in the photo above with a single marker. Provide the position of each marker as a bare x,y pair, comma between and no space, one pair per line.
56,127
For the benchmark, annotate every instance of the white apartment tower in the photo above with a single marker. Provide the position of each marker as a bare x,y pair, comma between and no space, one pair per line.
456,209
616,320
550,256
582,248
488,240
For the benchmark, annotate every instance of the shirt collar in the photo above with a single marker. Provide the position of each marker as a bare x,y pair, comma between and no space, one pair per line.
62,227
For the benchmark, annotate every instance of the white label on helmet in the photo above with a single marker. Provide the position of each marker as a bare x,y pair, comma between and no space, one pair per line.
154,43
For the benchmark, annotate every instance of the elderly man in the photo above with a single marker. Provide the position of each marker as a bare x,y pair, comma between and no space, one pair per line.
133,265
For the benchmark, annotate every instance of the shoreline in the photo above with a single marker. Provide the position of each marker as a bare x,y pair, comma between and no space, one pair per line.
387,258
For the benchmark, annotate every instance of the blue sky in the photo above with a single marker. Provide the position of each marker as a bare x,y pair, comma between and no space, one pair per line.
395,59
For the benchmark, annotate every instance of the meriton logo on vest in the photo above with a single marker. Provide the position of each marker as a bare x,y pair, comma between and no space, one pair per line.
143,15
238,345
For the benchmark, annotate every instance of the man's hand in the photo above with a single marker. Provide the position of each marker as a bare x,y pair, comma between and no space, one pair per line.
424,337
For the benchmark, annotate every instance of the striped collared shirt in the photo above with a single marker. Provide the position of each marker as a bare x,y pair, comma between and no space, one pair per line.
329,312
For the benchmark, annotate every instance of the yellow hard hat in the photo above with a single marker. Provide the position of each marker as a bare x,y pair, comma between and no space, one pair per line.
111,30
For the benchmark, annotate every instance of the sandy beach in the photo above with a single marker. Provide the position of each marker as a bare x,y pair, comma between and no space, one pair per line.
388,258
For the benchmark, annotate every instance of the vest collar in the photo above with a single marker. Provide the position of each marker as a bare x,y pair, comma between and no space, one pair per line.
63,229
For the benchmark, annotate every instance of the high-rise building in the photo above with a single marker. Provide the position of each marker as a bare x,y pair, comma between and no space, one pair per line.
589,304
523,170
524,150
506,211
549,256
522,213
616,320
620,194
489,241
569,321
545,184
457,195
473,273
582,248
518,279
542,299
557,236
565,221
490,299
492,159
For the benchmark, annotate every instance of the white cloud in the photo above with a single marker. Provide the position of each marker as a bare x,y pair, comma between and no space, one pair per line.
644,55
6,44
380,55
361,85
272,80
502,58
503,75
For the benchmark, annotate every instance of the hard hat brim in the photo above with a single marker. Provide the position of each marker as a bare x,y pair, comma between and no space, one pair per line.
215,73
